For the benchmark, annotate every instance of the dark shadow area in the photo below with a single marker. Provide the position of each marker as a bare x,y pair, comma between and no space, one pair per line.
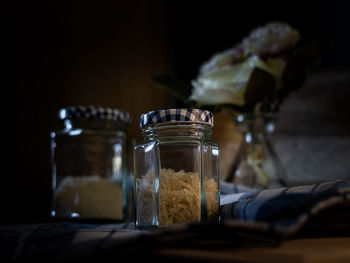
62,53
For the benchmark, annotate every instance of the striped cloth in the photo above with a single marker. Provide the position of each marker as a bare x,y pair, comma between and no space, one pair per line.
288,209
253,218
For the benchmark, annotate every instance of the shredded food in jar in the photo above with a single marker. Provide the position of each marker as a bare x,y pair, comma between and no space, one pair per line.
179,197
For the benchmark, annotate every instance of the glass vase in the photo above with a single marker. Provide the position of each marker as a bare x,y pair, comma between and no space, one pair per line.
257,164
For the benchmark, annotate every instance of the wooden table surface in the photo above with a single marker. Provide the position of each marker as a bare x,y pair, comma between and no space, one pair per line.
332,250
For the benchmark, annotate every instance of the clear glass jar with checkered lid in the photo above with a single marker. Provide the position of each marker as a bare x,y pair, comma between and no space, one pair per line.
90,164
176,169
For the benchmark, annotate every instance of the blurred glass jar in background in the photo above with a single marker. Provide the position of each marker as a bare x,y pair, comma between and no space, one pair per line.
90,172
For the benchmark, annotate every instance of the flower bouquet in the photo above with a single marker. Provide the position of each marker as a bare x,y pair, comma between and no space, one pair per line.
250,81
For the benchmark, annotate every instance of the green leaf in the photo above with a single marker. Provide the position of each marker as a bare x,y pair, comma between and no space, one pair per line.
176,87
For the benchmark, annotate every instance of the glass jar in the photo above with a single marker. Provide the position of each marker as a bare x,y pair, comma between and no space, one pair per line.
176,169
89,164
257,164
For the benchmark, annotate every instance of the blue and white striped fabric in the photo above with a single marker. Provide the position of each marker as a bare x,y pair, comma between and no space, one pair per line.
255,218
287,209
94,112
176,115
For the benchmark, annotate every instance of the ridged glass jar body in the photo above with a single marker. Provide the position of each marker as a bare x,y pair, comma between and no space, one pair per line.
176,170
89,170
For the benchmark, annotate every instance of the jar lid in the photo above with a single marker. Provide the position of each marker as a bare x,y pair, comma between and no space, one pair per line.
94,112
176,115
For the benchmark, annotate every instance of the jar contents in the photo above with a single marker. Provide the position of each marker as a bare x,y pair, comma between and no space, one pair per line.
89,197
179,196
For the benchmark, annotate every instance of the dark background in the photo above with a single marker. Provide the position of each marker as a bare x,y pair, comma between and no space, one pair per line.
63,53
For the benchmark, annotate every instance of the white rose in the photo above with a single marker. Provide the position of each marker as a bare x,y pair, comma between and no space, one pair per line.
227,57
226,84
270,39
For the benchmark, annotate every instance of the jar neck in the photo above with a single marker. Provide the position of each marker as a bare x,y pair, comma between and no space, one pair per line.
177,130
95,124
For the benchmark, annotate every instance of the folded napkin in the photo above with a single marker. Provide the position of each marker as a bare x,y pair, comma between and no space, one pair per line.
286,210
249,217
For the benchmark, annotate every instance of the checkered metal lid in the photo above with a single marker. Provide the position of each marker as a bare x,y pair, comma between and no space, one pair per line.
94,112
176,115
